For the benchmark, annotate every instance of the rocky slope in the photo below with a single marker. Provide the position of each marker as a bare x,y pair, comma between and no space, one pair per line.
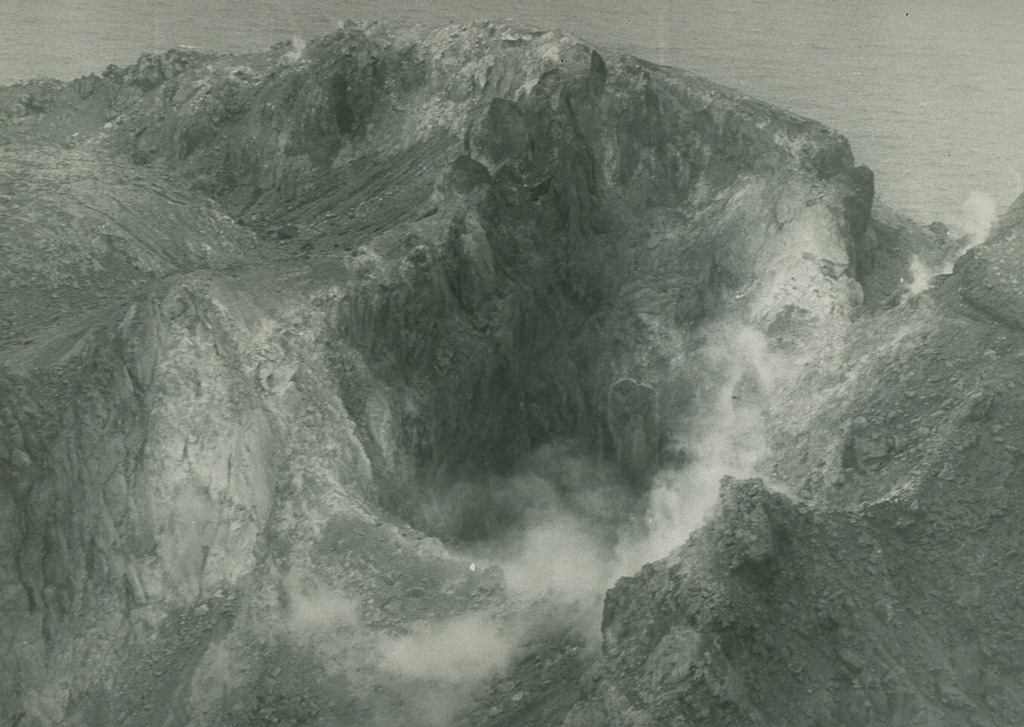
292,342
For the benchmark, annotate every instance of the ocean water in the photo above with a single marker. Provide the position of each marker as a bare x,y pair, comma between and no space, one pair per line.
929,92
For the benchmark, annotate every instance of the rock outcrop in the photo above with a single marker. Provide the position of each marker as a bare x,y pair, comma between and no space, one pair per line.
877,596
635,427
260,314
990,275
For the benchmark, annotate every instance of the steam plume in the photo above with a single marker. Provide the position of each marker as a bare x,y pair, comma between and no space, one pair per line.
728,438
976,220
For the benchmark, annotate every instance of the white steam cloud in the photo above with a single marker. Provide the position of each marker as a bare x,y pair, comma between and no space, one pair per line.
571,559
298,49
464,649
728,438
561,558
978,216
567,555
921,275
425,677
974,223
570,550
320,612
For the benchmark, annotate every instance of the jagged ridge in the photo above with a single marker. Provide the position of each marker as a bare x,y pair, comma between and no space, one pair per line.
427,254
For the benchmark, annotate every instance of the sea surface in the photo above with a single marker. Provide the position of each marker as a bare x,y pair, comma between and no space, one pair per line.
930,93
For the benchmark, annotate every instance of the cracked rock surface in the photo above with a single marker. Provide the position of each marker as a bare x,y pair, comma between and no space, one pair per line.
287,338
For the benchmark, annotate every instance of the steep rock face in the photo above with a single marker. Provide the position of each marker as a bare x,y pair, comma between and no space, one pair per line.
989,276
773,615
881,594
635,427
262,296
514,171
889,250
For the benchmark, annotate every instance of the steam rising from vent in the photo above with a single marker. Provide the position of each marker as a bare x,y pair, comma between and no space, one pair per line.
979,214
465,649
570,548
312,614
571,558
297,51
726,437
562,557
920,275
976,220
424,677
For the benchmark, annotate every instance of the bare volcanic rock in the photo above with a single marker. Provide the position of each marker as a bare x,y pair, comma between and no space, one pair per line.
882,592
635,428
990,275
273,324
499,203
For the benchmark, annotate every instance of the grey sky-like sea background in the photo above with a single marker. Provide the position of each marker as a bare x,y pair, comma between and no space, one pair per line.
930,93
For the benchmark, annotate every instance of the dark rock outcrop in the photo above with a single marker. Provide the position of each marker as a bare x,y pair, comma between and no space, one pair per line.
519,182
989,276
635,427
860,602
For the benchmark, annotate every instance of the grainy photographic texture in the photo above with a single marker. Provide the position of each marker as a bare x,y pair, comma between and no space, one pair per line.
435,368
